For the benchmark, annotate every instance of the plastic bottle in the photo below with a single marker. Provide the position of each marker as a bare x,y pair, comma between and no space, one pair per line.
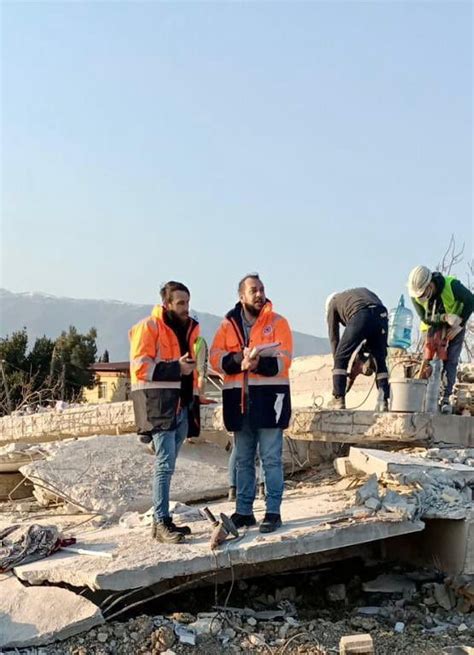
400,323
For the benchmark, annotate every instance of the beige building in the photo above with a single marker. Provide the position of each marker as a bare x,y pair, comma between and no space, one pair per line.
112,383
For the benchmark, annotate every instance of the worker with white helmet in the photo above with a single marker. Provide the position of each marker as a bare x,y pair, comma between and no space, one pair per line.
442,300
365,319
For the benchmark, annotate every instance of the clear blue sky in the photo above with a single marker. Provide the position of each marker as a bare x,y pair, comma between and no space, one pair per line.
325,145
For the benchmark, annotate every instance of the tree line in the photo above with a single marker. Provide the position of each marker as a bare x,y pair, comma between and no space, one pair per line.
52,370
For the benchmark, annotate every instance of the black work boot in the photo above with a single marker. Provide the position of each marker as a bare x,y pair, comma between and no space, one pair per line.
164,534
232,493
243,520
337,402
183,529
270,523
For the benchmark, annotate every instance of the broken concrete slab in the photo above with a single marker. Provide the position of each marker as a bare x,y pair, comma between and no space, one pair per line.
444,596
15,455
382,462
314,522
113,474
390,583
24,621
343,466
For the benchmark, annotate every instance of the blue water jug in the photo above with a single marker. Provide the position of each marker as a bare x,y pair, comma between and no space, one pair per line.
400,323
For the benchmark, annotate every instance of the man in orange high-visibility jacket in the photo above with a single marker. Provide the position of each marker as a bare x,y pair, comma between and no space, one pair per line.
165,393
256,395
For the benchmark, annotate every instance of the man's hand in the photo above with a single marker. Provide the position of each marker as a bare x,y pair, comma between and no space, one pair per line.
452,319
249,363
453,332
186,364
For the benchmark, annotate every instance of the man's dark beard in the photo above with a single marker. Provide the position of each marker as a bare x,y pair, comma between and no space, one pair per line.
250,309
175,319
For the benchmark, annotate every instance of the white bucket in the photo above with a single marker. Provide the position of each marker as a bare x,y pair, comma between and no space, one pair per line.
407,395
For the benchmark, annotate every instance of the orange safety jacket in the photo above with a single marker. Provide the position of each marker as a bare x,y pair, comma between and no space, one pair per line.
262,395
156,374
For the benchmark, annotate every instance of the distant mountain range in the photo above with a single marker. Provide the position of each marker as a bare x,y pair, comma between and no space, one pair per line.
43,314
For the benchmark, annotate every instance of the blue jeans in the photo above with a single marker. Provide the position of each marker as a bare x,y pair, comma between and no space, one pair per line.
167,445
233,469
270,445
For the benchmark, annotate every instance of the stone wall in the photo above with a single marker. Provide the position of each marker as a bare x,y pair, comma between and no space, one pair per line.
308,423
106,418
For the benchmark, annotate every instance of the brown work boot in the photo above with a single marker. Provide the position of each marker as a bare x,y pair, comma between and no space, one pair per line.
162,532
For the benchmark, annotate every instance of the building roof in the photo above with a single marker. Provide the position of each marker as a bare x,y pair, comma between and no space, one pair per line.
110,367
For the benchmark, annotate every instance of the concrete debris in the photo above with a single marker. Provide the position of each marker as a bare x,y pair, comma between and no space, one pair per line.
14,455
390,584
360,644
185,634
463,588
439,490
373,503
343,467
110,475
369,611
382,463
451,496
451,455
401,505
462,397
207,624
24,621
256,639
398,625
444,596
368,490
336,593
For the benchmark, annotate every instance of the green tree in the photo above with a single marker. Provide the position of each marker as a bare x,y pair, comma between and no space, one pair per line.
52,370
13,360
72,356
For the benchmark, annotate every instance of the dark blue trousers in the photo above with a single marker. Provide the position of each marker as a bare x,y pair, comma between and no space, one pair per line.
370,325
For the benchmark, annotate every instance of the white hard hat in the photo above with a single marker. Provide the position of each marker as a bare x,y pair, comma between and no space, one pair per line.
418,281
328,302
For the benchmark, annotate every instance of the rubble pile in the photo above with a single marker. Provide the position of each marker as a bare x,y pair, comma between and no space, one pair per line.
463,392
451,455
402,485
404,611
